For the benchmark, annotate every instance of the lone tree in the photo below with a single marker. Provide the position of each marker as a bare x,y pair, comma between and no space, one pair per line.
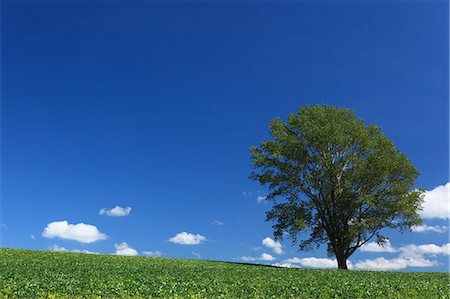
335,178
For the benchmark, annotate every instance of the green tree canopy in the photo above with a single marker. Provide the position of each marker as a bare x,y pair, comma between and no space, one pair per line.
335,180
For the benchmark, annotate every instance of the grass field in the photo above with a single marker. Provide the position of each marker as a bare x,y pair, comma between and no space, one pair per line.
39,274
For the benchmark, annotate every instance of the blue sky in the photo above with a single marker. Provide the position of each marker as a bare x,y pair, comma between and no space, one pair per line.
153,106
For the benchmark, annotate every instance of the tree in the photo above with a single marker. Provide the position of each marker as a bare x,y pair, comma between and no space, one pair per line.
336,179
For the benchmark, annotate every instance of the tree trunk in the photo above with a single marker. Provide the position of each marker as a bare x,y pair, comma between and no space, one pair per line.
342,262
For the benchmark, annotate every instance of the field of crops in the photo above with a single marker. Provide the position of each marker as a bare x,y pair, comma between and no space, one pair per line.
37,274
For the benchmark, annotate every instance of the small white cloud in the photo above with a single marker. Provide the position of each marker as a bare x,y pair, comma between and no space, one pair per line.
32,237
427,228
248,258
261,199
124,249
264,257
374,247
152,253
197,255
186,238
272,244
56,248
116,211
436,203
80,232
314,262
218,222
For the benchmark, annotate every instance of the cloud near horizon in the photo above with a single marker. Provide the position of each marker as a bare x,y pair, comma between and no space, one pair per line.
117,211
84,233
185,238
263,257
311,262
383,264
56,248
411,255
124,249
152,253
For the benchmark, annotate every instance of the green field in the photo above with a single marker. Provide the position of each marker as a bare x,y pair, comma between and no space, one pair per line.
39,274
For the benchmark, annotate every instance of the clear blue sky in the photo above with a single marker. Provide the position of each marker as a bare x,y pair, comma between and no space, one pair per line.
154,105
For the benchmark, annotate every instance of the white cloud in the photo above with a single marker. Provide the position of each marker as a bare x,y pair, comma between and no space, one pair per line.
248,258
427,228
185,238
266,257
436,203
218,222
124,249
314,262
56,248
261,199
274,245
263,257
197,255
116,211
425,249
409,250
80,232
382,264
32,237
152,253
410,256
374,247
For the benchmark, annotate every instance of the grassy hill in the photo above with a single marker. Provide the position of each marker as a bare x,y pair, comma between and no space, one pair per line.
39,274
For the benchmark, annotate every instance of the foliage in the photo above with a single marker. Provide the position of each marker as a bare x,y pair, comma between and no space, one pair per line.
341,181
38,274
